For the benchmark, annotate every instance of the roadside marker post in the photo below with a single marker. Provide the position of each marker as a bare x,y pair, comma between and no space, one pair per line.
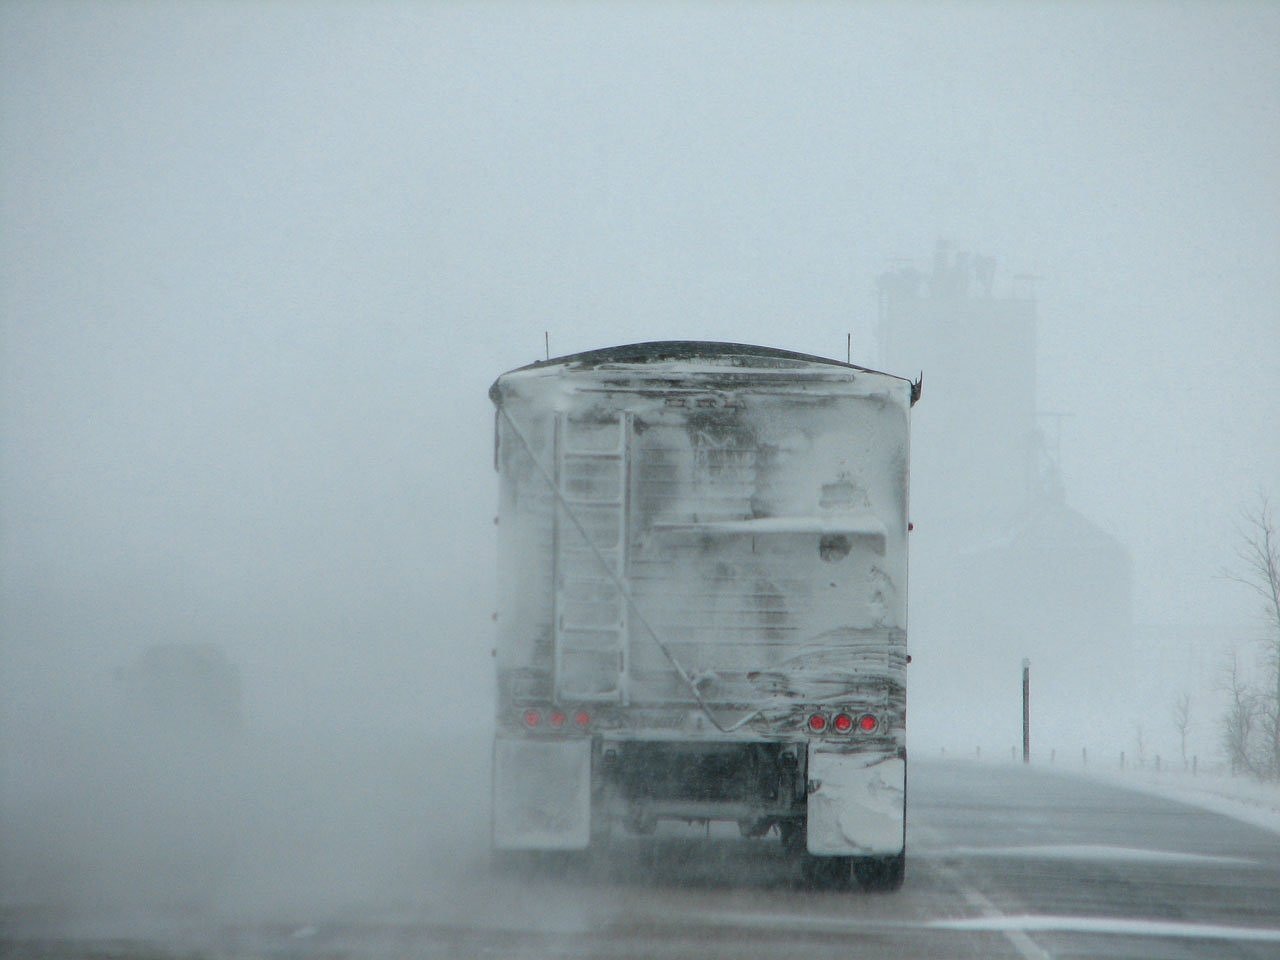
1026,710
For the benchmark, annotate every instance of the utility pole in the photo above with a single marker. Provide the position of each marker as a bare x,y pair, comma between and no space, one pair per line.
1026,710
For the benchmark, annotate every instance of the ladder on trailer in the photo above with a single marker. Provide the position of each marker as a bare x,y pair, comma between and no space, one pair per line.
592,459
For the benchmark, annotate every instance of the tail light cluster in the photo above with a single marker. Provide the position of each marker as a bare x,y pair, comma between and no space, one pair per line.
843,723
554,719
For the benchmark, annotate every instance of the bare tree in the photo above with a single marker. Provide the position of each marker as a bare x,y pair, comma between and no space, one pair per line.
1259,557
1182,721
1240,720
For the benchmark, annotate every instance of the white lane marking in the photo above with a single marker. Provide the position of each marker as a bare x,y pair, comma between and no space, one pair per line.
1110,925
1027,948
1092,852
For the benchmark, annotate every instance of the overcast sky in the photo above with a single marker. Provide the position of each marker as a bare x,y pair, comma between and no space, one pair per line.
259,264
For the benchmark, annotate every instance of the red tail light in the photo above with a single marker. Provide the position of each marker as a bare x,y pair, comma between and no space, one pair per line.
557,719
867,723
582,719
843,723
817,723
532,718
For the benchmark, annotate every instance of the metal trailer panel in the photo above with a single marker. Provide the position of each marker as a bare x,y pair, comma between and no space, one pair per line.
700,531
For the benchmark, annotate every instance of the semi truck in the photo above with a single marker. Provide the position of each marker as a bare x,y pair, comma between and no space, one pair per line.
702,602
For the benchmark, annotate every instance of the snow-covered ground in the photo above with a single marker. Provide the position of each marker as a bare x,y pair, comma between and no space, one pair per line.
1210,787
1241,798
1207,786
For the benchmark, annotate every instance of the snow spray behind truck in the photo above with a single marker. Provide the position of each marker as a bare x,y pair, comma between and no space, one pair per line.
702,601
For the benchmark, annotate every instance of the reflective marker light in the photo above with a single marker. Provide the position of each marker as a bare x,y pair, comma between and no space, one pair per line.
532,718
556,719
843,723
868,723
582,719
817,723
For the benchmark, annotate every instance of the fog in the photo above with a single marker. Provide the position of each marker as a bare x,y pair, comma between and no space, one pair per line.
259,265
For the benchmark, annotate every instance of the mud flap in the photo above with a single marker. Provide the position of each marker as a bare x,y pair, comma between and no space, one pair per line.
857,803
541,794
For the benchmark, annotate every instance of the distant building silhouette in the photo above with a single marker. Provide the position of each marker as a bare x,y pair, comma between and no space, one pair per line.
1002,566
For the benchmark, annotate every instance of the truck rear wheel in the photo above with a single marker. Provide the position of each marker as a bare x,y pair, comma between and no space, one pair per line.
793,836
817,873
880,873
826,873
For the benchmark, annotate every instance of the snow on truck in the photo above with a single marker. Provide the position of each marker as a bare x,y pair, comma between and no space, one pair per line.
703,601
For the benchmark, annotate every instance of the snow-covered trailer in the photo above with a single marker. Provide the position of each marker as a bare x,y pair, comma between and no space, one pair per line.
703,601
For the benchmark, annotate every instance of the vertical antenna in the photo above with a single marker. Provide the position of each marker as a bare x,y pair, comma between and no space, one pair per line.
848,348
546,342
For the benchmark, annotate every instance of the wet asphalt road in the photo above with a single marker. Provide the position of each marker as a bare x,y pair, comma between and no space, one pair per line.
1004,861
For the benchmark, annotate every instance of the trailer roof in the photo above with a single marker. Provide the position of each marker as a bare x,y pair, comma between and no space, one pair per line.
658,351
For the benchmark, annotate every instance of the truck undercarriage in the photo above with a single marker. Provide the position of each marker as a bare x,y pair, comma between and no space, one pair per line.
583,792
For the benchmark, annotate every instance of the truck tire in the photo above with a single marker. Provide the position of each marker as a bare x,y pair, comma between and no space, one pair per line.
880,874
816,873
793,836
826,873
